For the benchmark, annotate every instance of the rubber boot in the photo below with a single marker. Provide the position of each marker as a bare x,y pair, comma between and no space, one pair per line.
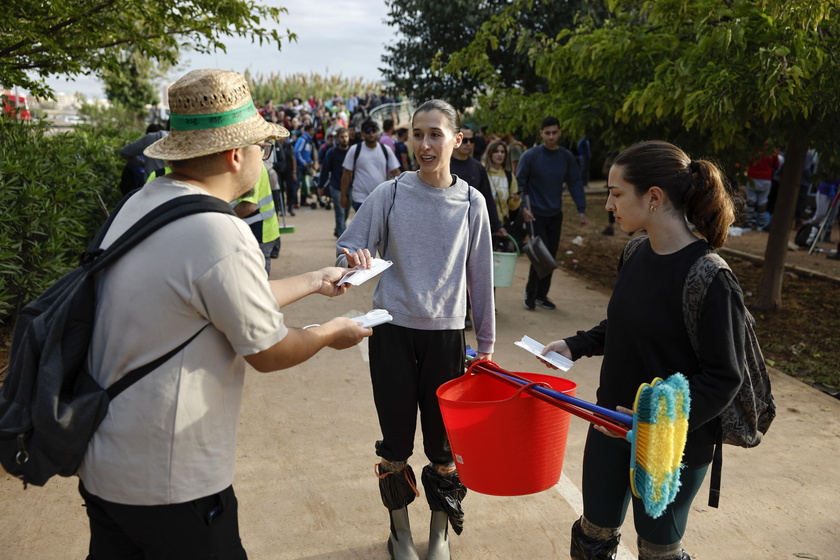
400,543
439,536
445,492
588,548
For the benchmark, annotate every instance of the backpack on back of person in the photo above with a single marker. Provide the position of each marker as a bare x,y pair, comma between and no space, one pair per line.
280,163
50,405
133,177
748,417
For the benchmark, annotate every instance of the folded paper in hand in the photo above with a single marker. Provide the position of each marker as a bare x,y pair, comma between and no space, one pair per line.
557,360
358,275
374,317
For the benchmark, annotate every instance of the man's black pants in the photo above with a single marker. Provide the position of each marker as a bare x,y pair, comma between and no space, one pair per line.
203,529
548,229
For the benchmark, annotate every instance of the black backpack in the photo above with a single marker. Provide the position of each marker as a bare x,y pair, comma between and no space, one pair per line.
280,163
50,405
133,177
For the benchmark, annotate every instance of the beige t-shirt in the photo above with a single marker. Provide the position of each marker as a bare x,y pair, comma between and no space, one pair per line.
170,437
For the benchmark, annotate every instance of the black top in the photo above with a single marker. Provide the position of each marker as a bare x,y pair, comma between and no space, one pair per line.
644,337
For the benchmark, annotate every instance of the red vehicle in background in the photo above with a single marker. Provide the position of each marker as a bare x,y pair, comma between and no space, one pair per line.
15,107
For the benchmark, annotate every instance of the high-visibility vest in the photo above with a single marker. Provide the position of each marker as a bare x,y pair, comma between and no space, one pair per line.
263,222
158,173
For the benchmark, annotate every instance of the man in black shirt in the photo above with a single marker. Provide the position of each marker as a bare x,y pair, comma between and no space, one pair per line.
471,171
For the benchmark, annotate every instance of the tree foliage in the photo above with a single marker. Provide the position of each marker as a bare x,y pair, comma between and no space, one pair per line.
131,85
718,77
432,31
39,39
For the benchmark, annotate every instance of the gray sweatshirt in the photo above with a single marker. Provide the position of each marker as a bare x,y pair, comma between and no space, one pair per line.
439,241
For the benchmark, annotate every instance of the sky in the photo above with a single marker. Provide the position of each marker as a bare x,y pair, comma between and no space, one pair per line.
334,36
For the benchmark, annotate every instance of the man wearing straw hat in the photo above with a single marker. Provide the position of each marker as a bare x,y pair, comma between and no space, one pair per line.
157,475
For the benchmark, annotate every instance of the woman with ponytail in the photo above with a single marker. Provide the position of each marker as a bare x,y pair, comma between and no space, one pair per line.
654,186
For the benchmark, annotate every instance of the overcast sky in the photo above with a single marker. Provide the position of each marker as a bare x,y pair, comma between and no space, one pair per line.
334,36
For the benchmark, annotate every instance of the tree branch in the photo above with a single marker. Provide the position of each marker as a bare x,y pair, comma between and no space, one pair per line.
132,39
11,50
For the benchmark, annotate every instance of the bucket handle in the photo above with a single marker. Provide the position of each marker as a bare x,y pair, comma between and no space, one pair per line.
515,245
525,387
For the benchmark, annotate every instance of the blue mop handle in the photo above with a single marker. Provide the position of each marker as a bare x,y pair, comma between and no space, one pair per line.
614,415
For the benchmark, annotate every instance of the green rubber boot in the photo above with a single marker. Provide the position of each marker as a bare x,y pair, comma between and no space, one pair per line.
439,536
400,543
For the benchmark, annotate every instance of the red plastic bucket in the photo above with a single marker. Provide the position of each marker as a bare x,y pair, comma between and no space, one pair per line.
505,442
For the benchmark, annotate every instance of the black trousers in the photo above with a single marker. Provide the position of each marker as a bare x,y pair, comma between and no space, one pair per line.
406,368
287,186
203,529
548,229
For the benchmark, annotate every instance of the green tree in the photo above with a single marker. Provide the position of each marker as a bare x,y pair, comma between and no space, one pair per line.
432,31
719,77
131,85
39,39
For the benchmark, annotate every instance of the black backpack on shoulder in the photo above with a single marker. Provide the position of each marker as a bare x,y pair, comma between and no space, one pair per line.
50,406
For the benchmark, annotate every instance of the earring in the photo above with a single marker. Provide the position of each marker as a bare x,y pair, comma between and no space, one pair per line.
652,208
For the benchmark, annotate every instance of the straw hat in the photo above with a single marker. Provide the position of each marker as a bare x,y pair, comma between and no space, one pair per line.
211,111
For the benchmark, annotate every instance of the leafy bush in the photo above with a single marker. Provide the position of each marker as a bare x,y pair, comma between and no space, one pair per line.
52,190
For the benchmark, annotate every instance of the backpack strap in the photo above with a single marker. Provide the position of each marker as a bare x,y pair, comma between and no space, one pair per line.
160,216
136,375
631,247
100,235
388,217
697,282
355,159
384,153
716,474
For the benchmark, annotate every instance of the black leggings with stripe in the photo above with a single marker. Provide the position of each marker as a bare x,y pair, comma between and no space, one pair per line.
606,491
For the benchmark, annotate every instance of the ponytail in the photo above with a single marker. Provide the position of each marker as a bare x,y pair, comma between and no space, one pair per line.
708,203
695,188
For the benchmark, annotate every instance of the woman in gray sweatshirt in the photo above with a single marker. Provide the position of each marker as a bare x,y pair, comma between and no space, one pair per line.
434,228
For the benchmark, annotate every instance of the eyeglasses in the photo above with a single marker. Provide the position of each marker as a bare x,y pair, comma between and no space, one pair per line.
369,130
266,148
468,140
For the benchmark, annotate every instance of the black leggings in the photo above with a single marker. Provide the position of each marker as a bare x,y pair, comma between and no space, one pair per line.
606,491
406,368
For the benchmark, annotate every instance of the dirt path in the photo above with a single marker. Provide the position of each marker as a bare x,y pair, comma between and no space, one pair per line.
305,457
